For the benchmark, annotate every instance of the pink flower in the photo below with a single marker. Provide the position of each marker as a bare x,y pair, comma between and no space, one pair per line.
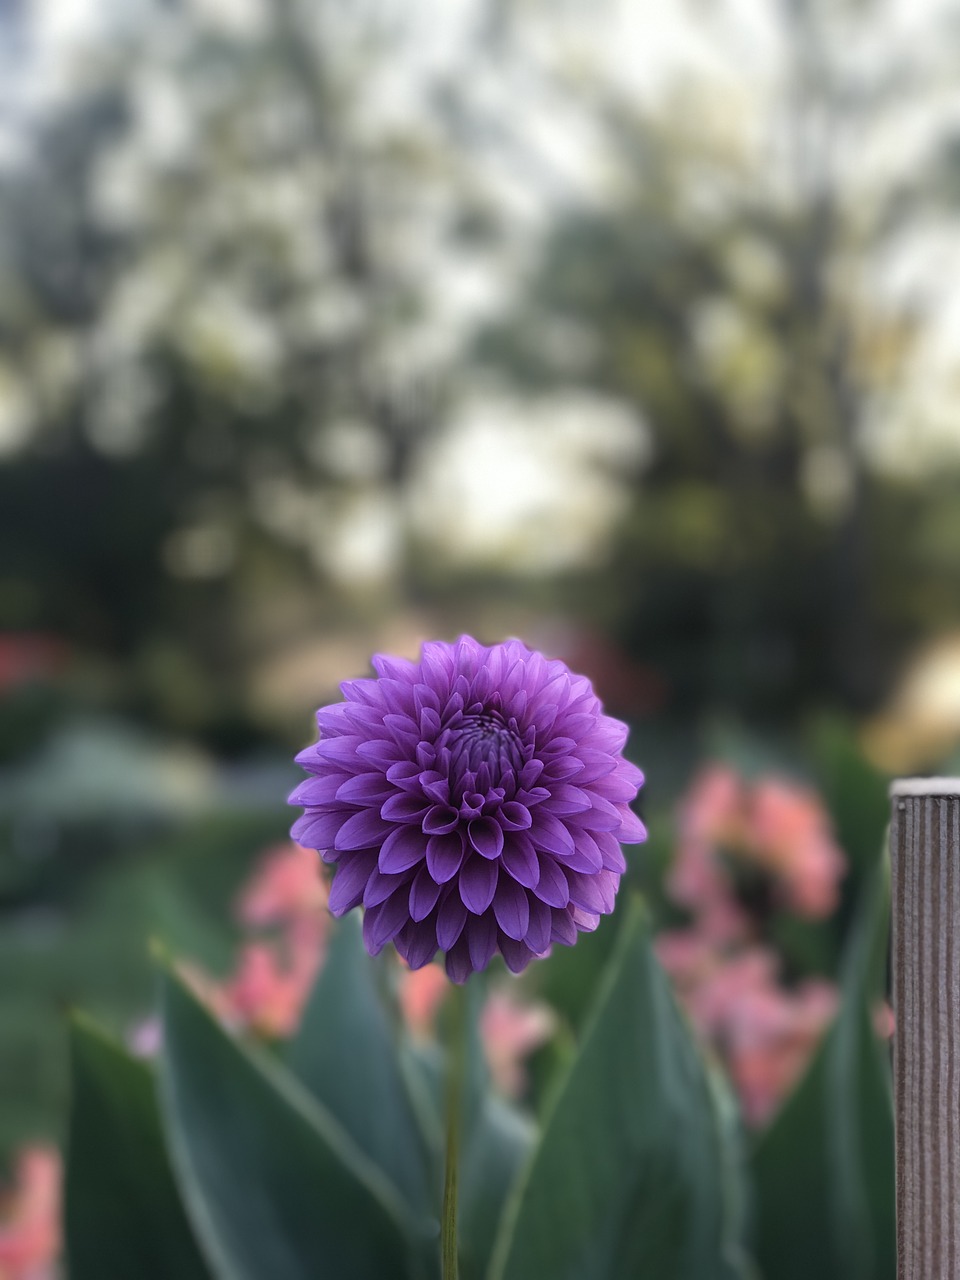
510,1032
30,1217
688,955
267,995
274,974
712,811
773,825
764,1033
710,817
717,1003
421,993
286,885
771,1037
700,882
730,832
789,831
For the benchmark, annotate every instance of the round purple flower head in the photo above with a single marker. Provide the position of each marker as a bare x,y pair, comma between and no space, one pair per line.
474,802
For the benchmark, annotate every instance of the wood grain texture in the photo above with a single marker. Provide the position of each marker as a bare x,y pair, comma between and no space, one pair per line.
925,854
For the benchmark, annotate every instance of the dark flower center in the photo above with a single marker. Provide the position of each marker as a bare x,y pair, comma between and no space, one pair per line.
485,739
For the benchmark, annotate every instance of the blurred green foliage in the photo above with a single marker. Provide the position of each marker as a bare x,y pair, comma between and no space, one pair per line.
637,1163
93,952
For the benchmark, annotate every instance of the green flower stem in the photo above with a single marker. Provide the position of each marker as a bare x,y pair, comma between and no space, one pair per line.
456,1068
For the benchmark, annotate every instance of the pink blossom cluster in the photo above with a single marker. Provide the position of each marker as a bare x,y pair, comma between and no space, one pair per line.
30,1217
287,896
772,827
774,837
284,907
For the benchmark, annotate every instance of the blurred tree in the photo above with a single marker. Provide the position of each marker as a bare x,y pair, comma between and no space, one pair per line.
228,276
217,332
727,272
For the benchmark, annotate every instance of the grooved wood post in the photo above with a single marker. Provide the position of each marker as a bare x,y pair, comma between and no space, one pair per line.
925,853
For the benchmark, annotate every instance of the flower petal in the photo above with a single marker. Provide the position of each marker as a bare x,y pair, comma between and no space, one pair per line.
519,858
417,943
402,849
515,816
486,836
362,830
424,893
586,855
381,924
511,907
337,751
316,830
405,774
594,893
365,788
316,791
565,798
478,883
552,887
550,834
586,921
632,831
451,918
517,954
445,856
481,935
379,887
610,852
440,819
404,806
540,926
349,881
457,961
564,930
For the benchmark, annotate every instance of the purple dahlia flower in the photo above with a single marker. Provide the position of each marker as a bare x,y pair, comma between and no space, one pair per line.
473,802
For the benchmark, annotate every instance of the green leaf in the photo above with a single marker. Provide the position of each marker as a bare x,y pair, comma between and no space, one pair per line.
276,1188
123,1214
824,1170
570,981
347,1054
627,1179
854,792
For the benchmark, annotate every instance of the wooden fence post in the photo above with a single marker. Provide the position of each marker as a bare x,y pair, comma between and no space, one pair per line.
925,854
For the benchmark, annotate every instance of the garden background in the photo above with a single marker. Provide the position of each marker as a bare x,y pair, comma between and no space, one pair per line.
633,331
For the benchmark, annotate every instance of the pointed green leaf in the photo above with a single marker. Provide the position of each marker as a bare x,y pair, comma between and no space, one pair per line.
276,1187
854,792
347,1055
627,1179
824,1170
123,1214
